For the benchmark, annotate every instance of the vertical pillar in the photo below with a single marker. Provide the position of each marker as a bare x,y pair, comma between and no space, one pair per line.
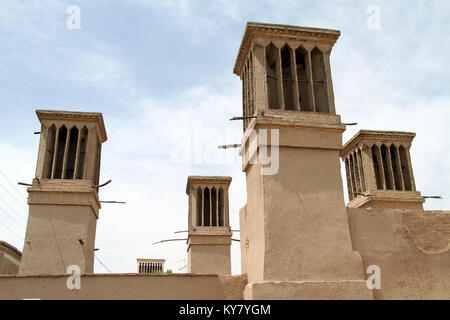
279,79
389,168
352,171
311,81
380,166
260,76
55,153
66,150
356,172
217,207
349,180
296,91
210,207
203,206
411,175
399,167
361,171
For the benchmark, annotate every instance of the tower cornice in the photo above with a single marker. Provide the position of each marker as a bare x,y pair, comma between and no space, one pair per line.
283,32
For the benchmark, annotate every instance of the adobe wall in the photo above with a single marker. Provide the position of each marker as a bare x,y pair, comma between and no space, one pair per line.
411,247
125,286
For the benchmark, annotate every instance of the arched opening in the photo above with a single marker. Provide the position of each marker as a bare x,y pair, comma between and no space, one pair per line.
349,181
287,69
361,170
214,203
319,81
353,176
81,158
49,155
387,173
199,207
396,170
206,207
272,76
376,166
221,208
60,149
405,169
71,153
303,78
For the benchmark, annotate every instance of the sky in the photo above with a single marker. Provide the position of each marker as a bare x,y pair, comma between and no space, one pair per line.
160,72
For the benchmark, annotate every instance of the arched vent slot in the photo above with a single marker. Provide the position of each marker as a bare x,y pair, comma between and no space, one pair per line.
302,64
221,207
50,152
81,156
396,168
272,76
214,204
206,207
386,167
377,166
319,81
71,153
288,72
199,207
60,149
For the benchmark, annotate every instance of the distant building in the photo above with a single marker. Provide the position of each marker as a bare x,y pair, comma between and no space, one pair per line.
9,258
150,265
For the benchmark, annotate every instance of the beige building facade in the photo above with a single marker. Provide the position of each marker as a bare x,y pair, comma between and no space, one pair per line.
298,237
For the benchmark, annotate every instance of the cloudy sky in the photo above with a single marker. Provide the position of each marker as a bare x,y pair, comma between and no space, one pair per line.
161,74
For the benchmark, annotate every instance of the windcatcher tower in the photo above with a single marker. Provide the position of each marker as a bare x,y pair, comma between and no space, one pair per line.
379,171
209,230
295,240
63,199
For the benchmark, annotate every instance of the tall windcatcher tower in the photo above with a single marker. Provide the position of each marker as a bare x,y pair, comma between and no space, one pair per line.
63,199
209,237
295,239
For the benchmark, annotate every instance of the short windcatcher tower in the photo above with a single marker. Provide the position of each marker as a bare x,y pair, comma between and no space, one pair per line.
209,236
379,171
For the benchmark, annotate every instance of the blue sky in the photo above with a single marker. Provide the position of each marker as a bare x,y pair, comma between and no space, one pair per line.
161,74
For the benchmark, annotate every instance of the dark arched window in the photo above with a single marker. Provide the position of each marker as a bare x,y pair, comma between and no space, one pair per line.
272,76
319,81
303,79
